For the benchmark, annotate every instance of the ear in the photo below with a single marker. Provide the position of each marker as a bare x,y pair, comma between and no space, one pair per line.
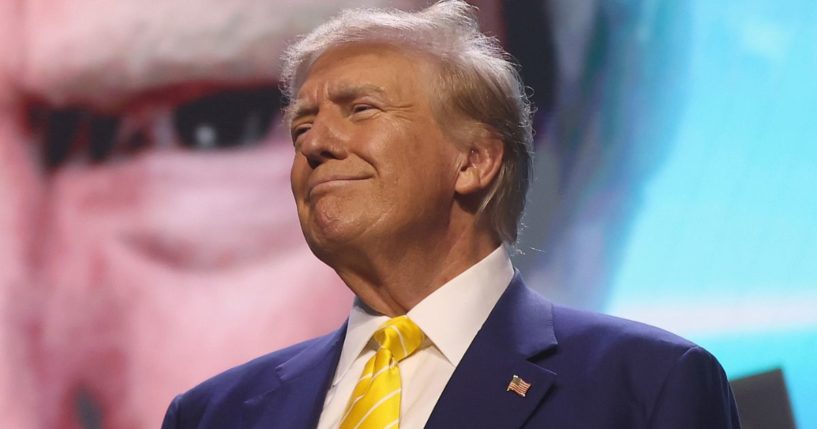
481,164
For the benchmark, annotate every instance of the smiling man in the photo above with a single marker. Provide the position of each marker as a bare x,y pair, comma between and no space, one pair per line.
412,138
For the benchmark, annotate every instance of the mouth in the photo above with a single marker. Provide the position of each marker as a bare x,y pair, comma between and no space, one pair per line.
324,184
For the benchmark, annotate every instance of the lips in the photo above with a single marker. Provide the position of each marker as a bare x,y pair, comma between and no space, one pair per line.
325,182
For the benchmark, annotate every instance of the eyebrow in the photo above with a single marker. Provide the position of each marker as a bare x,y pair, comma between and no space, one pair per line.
350,92
341,94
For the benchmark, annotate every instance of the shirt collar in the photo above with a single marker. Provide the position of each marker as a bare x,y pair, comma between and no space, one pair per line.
363,321
453,314
450,317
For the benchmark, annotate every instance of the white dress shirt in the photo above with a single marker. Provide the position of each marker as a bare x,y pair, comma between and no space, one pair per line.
450,318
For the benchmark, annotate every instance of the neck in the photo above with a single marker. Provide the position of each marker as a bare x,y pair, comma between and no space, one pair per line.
394,279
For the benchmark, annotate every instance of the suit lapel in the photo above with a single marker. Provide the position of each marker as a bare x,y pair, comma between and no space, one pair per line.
519,327
296,398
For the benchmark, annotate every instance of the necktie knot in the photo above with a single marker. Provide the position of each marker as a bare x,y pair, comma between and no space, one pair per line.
400,336
375,401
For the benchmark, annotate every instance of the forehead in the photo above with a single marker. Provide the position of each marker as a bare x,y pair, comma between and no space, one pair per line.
91,52
394,71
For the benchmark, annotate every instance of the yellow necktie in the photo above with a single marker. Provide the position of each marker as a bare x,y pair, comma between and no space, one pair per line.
375,402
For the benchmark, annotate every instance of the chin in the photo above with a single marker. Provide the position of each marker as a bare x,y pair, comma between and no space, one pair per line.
329,245
332,222
335,243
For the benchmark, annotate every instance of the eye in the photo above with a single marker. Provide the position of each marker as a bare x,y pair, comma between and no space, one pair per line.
73,132
226,119
300,130
362,107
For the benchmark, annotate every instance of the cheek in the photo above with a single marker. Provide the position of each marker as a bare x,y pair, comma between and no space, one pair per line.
166,270
185,211
430,167
298,175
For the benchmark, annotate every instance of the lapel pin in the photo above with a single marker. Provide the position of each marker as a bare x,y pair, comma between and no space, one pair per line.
518,386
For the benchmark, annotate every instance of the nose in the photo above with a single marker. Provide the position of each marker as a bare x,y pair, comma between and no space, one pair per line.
323,142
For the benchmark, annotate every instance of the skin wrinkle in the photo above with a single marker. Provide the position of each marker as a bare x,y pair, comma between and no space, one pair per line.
300,108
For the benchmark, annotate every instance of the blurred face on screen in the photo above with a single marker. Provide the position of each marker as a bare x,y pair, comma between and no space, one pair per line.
150,238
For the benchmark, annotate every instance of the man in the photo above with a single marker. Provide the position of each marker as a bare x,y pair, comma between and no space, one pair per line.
411,135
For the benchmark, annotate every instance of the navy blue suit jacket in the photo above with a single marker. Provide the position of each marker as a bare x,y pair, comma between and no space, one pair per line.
586,371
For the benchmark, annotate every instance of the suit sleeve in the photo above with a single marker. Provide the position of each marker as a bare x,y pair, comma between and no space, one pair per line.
171,420
695,394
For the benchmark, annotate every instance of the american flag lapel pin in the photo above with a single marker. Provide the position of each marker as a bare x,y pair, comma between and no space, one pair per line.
518,386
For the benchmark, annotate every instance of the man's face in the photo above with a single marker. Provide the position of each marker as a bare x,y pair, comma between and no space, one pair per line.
371,161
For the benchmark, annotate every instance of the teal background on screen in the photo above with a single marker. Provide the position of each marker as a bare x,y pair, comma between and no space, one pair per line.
724,246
